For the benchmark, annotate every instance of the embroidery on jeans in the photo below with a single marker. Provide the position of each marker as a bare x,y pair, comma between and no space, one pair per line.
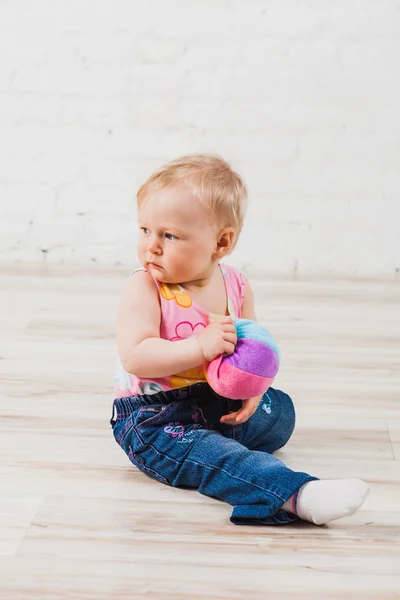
188,438
266,406
195,416
174,429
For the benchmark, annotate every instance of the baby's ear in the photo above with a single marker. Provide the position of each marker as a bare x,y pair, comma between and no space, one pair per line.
225,242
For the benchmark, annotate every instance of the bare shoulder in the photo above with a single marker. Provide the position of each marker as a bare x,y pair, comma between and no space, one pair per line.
248,310
139,313
140,282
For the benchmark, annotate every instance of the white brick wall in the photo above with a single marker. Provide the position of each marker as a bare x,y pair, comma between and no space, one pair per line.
302,96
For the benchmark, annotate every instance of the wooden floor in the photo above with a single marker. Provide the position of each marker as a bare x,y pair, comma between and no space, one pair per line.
78,521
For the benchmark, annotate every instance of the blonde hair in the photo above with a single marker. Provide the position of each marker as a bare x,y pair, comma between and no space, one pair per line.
211,180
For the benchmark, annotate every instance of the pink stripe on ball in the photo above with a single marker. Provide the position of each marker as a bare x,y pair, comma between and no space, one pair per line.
230,382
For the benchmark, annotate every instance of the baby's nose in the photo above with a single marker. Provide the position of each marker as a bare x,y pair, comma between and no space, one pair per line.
153,245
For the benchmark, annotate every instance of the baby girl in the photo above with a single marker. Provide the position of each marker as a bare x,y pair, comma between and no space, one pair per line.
176,314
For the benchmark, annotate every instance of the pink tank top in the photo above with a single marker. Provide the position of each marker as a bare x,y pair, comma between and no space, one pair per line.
181,318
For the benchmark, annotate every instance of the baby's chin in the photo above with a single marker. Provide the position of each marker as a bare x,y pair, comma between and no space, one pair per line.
160,274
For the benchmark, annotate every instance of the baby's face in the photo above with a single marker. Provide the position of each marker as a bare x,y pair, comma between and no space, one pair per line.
176,238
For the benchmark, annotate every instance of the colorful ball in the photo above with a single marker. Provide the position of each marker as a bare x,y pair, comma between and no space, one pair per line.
251,369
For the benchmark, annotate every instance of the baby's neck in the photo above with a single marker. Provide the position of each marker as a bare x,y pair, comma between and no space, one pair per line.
203,281
210,292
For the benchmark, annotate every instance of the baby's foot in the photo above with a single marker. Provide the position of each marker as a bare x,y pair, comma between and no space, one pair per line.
327,500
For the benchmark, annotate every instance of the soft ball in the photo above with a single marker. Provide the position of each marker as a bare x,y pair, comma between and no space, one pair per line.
251,369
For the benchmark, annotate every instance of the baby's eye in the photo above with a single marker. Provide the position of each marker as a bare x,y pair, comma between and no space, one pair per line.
171,237
145,230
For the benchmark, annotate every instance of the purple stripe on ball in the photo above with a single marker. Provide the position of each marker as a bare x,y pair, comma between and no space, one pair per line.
254,357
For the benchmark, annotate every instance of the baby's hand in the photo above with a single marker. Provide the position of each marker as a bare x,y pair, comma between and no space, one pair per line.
218,338
248,409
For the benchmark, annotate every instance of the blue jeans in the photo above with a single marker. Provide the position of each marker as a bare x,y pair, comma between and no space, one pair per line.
176,438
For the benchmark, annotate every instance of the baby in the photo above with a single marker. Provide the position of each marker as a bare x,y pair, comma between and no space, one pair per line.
175,314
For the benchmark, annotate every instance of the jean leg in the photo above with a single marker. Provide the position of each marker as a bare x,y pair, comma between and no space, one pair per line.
170,447
271,426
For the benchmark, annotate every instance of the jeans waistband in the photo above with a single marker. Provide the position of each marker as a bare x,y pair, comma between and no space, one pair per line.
123,407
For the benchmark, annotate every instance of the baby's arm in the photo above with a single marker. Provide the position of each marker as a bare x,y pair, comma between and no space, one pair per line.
144,353
249,405
248,311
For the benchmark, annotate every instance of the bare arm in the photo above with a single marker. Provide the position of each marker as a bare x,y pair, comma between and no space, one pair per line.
248,311
141,350
249,406
144,353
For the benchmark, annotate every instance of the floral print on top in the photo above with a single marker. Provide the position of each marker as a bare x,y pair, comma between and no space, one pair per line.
181,318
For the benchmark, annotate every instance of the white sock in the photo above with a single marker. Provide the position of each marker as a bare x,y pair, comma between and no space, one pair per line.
327,500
